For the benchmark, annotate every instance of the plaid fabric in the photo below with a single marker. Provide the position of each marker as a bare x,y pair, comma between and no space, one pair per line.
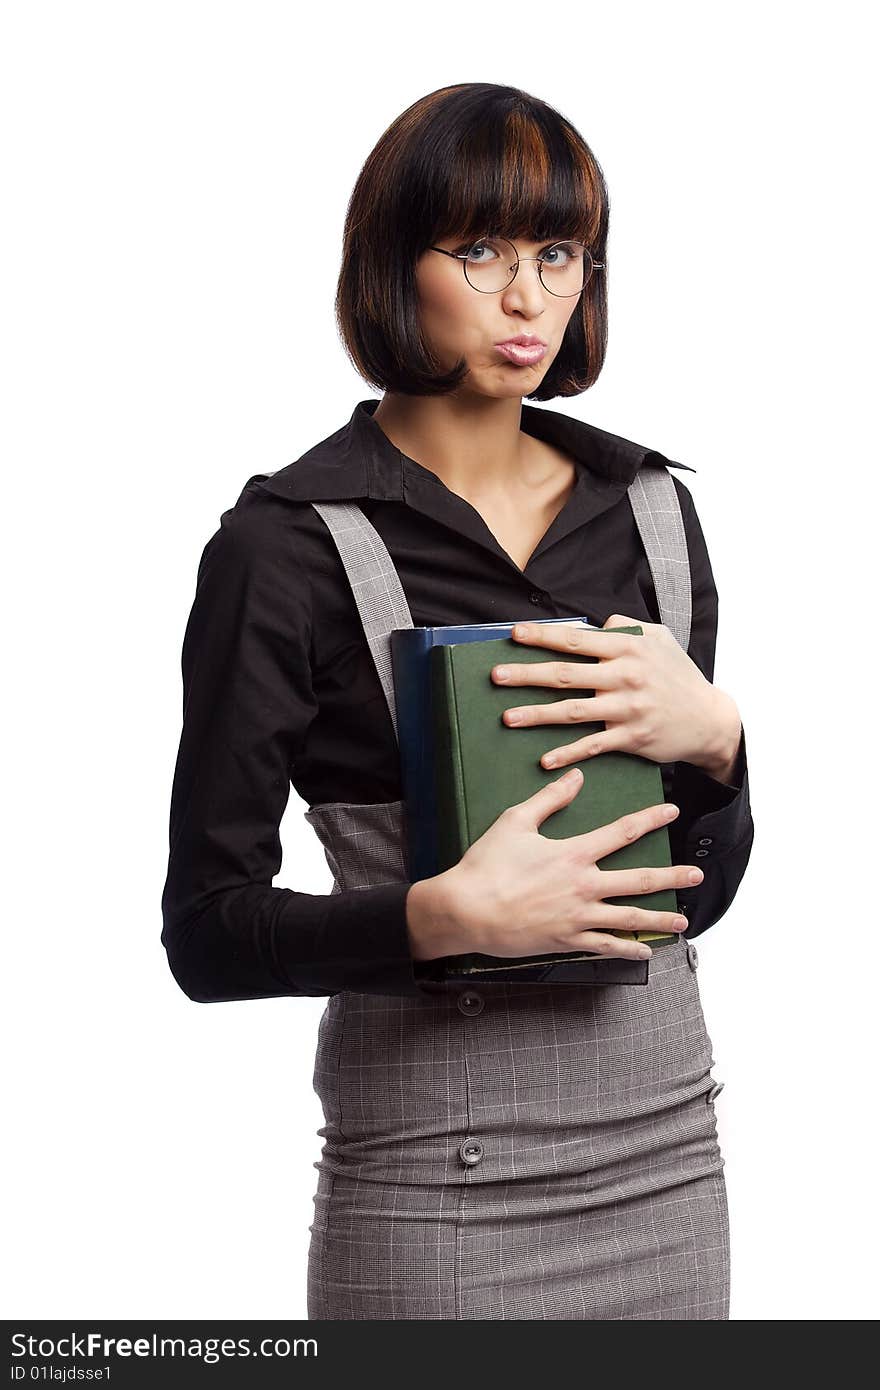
363,845
513,1150
375,583
654,501
521,1151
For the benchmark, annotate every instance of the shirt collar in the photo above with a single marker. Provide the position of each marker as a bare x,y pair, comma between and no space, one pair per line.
359,460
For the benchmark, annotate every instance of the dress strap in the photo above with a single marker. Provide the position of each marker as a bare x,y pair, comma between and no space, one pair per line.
375,583
383,605
657,511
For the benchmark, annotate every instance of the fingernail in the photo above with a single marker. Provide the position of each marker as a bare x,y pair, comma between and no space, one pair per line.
644,952
669,811
571,774
501,673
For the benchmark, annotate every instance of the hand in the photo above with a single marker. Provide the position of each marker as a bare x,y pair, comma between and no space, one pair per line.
516,892
653,699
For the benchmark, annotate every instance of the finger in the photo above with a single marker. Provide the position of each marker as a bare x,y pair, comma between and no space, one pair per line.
542,803
600,642
577,674
605,916
605,944
607,740
624,620
619,883
623,831
577,710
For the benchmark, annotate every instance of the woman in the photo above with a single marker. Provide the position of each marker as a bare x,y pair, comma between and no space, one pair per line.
518,1150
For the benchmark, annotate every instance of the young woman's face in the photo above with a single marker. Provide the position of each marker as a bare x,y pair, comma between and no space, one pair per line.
460,321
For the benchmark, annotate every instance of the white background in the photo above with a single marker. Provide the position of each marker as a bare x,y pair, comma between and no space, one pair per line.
175,180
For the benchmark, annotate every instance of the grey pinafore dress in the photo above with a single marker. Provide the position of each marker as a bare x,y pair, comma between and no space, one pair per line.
512,1149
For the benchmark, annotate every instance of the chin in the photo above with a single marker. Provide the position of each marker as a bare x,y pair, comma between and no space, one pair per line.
501,390
516,381
502,380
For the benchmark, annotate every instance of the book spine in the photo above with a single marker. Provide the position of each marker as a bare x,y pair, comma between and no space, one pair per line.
410,652
452,827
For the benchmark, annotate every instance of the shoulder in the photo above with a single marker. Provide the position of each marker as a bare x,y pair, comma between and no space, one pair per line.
253,552
685,496
652,484
271,542
614,459
261,524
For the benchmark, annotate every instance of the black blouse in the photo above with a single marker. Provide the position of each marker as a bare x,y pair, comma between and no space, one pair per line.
279,687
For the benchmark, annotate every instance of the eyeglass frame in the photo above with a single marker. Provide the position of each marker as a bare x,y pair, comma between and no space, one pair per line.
496,236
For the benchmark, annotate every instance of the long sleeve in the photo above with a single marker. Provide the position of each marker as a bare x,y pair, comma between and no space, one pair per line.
714,828
247,706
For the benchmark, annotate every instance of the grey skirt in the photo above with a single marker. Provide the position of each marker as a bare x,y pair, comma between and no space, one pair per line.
521,1151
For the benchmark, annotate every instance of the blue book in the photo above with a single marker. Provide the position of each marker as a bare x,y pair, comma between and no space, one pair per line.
411,664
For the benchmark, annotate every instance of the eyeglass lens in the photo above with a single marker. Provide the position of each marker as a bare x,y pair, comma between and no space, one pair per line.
490,265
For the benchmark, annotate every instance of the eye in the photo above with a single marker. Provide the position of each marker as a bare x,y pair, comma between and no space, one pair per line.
561,254
480,252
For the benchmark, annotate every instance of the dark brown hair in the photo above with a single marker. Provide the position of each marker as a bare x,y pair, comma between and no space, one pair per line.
462,161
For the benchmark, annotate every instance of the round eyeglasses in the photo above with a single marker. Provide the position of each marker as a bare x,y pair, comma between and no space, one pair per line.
491,263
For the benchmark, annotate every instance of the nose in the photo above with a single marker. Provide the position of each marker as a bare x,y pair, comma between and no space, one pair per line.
526,290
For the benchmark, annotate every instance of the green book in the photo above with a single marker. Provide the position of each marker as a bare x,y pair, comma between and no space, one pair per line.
482,766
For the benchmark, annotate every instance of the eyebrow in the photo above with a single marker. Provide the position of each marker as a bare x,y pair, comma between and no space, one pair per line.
464,241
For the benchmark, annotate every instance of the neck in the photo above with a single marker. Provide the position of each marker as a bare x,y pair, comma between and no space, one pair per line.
474,445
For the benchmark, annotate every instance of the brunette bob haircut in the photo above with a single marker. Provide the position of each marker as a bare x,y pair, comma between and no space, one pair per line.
464,161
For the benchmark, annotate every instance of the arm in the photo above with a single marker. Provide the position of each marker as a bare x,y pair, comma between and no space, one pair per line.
247,706
714,798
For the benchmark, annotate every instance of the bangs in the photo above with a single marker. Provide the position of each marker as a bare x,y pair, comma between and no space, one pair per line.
519,170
